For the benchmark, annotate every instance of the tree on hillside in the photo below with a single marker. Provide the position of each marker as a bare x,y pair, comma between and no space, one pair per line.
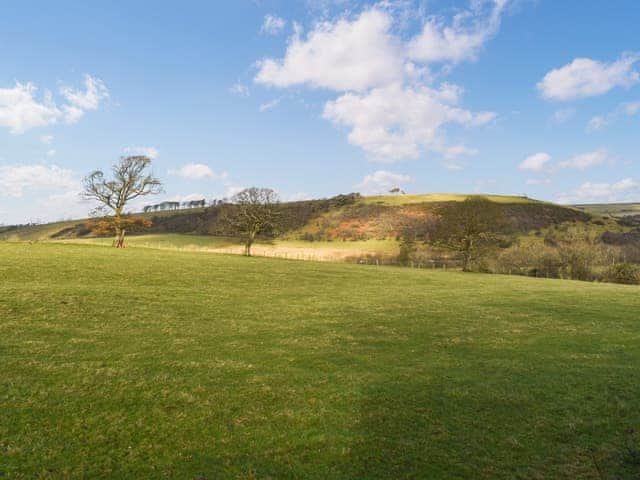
131,179
469,227
253,212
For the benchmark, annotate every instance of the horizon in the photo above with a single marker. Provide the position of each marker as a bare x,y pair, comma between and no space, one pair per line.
320,97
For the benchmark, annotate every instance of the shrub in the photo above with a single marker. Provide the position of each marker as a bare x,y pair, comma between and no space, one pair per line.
534,259
626,273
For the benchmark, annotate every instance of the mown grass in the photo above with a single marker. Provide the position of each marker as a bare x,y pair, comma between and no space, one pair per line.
142,363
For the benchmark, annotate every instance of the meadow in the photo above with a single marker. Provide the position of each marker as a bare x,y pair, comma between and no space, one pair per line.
146,363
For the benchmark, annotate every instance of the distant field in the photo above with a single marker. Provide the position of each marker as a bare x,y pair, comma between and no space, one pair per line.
142,363
441,197
614,209
292,249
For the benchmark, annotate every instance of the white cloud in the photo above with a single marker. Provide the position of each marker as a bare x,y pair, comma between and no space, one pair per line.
46,139
344,55
536,162
15,179
197,171
585,77
395,123
461,40
387,98
150,152
563,115
598,122
627,189
585,160
269,105
80,101
20,110
240,90
272,24
51,152
382,181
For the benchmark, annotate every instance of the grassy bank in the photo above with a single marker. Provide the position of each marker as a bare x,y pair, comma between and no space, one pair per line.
159,364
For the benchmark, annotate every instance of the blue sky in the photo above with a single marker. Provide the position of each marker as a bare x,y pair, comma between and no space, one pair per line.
320,97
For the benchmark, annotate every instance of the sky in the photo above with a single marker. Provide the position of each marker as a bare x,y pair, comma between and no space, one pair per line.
319,97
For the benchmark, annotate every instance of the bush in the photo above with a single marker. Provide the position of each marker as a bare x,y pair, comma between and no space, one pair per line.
626,273
535,259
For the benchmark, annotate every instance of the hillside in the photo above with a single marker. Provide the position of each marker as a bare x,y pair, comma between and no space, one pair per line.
345,217
391,230
157,364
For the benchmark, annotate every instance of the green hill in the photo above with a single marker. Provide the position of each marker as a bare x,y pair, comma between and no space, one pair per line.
157,364
376,230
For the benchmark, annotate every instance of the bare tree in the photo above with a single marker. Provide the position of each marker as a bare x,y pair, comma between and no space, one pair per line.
131,179
253,212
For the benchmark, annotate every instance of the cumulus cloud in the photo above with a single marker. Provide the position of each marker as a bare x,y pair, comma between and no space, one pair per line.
16,179
395,122
627,189
382,181
469,31
22,110
150,152
344,55
586,160
273,24
584,77
536,162
81,101
387,99
197,171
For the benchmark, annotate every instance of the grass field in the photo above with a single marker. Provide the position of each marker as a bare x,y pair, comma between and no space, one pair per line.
145,363
613,209
441,197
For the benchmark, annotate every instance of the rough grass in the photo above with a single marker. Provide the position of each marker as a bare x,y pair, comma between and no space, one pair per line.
289,248
156,364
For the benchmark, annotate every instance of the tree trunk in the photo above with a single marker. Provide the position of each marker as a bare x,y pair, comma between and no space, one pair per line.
247,246
120,243
119,238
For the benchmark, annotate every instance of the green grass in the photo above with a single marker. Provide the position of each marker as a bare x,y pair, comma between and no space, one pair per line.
158,364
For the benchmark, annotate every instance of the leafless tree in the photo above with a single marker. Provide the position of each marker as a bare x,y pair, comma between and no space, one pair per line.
253,212
131,179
